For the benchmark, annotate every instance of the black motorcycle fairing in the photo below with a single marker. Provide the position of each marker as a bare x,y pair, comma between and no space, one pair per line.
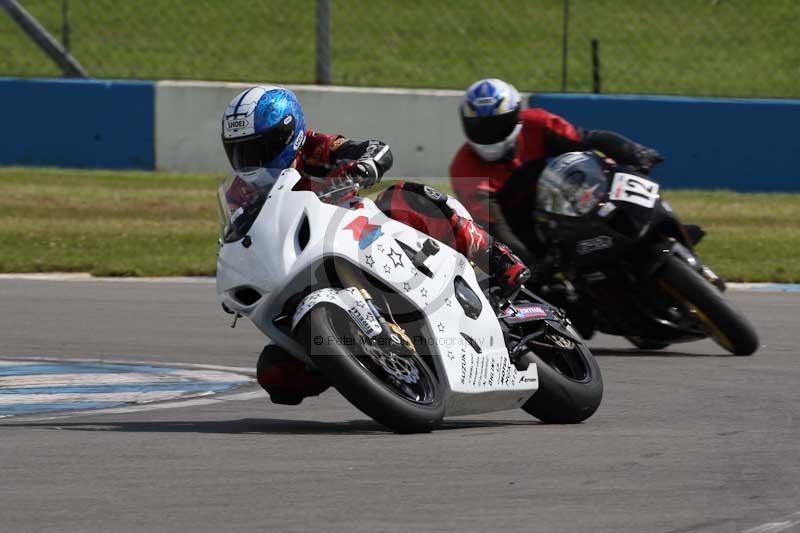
661,250
609,253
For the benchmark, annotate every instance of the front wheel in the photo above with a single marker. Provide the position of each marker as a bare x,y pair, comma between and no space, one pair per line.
570,384
703,302
385,380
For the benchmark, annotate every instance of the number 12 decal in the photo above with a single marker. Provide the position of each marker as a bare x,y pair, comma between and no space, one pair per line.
634,189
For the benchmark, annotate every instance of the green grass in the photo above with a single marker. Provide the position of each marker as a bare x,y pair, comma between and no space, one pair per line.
161,224
107,223
693,47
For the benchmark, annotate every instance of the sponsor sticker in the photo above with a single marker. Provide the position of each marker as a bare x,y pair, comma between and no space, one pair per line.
530,311
298,141
435,196
367,324
364,232
601,242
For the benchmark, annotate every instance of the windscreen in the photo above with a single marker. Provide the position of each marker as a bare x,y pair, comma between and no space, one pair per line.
571,184
240,199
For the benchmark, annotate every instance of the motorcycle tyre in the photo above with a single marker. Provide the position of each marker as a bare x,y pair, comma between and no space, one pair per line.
684,280
560,399
358,385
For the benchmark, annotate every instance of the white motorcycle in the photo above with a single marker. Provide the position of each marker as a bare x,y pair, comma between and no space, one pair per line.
396,321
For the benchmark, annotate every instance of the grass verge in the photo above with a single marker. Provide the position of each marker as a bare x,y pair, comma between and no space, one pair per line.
693,47
112,223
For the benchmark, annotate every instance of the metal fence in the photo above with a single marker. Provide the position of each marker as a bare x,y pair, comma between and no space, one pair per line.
693,47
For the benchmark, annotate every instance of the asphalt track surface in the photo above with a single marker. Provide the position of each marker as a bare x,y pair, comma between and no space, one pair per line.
686,440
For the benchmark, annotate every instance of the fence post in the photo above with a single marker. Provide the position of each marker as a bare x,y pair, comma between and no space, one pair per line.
65,29
68,64
323,23
595,65
564,48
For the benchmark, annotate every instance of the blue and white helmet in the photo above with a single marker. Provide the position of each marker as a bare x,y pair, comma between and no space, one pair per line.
263,127
490,117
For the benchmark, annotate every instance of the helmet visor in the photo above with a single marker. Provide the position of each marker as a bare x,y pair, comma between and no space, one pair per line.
258,150
572,185
490,130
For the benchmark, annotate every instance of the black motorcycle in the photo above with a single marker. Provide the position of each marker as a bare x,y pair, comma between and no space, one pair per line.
624,264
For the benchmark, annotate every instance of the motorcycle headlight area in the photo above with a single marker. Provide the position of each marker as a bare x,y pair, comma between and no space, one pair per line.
467,298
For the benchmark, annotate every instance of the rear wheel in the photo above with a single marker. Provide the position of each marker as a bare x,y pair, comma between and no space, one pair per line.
570,384
383,378
702,302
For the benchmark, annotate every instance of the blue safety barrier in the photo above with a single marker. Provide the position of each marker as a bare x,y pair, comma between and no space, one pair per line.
708,143
77,123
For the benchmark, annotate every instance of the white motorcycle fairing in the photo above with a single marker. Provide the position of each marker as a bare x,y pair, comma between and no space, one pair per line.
282,256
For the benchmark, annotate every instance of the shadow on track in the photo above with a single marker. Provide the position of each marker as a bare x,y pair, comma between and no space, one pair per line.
635,352
259,426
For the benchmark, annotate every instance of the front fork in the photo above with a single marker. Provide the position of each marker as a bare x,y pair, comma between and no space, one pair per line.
391,329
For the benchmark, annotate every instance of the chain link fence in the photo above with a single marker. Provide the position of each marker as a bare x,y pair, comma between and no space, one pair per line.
746,48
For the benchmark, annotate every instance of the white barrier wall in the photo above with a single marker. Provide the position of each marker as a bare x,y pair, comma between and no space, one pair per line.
420,126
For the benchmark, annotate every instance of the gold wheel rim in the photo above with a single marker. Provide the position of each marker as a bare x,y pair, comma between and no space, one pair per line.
714,331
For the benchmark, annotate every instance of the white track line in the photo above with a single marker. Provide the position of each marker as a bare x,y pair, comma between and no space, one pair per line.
35,360
243,396
68,397
83,276
124,378
222,397
781,525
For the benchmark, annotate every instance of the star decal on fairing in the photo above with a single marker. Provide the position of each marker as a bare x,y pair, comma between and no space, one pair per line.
396,258
450,355
380,248
406,286
364,232
423,292
370,261
387,269
448,302
440,327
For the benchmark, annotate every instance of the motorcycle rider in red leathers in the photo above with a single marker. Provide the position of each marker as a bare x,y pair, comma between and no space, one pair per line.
264,126
494,174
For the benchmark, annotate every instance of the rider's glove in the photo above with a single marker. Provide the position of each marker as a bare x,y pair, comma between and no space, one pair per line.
362,171
647,158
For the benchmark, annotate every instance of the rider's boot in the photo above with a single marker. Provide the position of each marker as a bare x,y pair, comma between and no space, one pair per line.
286,379
493,257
